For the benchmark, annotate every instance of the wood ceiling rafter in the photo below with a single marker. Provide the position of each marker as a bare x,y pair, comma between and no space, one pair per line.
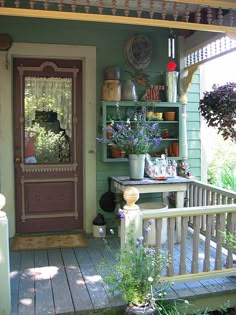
178,18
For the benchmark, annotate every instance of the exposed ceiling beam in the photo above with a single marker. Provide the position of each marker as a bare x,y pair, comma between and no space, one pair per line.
86,17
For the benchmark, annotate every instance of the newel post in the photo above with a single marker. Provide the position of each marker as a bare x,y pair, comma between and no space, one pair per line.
132,215
5,294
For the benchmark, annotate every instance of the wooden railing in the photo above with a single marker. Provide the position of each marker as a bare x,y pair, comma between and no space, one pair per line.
201,252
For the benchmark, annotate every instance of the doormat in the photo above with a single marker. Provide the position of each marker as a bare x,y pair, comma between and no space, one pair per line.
48,241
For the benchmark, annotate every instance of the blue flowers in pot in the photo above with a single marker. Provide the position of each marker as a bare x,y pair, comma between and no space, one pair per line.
135,136
136,274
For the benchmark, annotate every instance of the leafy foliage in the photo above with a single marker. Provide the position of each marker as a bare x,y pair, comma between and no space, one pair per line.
51,147
218,107
136,271
222,167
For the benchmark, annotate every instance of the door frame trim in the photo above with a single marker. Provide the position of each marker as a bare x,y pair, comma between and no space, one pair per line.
29,50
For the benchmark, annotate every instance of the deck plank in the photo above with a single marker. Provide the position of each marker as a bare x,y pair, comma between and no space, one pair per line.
43,288
226,284
80,296
69,258
61,292
82,257
95,287
182,290
15,261
197,288
212,285
26,286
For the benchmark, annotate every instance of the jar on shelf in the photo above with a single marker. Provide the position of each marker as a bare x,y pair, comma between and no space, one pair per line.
111,90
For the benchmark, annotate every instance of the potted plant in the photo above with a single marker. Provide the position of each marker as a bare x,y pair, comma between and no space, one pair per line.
218,107
135,273
136,137
99,226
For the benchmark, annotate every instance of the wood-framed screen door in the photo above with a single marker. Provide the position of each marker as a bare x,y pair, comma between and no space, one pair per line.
48,145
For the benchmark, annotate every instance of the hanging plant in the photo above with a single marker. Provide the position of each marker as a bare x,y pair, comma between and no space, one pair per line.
218,107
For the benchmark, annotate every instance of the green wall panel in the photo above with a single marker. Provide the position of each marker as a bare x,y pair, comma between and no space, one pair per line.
109,40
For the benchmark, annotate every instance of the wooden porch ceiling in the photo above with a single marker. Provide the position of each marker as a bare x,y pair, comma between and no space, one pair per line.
199,15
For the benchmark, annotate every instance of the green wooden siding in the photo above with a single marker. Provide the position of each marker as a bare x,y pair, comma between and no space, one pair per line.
193,127
109,40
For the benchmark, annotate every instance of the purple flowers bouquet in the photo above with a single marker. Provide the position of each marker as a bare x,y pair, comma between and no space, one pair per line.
135,136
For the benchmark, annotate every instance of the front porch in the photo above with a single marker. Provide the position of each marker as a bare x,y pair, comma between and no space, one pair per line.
66,281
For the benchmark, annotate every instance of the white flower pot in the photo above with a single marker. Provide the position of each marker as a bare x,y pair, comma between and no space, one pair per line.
96,229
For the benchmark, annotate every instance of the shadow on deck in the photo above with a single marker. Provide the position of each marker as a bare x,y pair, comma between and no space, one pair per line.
65,281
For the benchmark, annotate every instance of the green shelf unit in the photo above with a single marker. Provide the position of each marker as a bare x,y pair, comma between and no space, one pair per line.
110,110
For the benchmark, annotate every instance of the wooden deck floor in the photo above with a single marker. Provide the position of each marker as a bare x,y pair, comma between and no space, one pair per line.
65,281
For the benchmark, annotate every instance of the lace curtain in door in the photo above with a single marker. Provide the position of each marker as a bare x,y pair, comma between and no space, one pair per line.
49,95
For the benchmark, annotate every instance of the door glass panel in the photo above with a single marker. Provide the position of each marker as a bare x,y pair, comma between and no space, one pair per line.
48,119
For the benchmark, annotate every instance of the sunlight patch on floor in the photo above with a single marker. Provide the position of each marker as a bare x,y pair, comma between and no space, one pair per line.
43,273
26,302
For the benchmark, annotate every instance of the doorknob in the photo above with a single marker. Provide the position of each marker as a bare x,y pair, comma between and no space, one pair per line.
17,159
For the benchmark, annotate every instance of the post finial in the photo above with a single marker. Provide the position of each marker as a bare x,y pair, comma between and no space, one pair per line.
131,195
2,201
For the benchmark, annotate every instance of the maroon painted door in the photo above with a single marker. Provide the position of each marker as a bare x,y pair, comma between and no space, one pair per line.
48,145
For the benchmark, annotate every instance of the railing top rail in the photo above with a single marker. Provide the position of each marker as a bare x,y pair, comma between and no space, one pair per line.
191,211
222,191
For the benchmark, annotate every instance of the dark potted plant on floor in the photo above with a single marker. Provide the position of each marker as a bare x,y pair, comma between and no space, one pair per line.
218,107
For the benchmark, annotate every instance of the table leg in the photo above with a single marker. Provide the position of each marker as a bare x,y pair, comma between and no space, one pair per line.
179,203
165,197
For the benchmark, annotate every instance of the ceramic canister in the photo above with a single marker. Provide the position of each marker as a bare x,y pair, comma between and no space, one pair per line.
129,91
111,90
112,73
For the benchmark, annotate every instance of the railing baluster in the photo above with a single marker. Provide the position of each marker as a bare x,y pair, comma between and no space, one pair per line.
184,225
203,223
195,196
199,199
190,195
190,200
171,227
220,227
224,200
196,227
206,264
213,198
229,229
158,225
208,198
219,199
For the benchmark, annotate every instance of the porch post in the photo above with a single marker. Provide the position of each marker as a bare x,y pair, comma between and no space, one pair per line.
133,215
183,100
5,293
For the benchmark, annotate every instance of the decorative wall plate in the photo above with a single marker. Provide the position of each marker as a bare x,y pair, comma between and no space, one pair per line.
138,51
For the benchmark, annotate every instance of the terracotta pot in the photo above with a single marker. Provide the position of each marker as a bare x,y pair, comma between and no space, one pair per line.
109,132
117,152
169,115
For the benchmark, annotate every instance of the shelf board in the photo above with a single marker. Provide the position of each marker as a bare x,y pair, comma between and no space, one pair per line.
170,139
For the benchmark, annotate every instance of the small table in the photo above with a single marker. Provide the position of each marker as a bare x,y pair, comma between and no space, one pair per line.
178,184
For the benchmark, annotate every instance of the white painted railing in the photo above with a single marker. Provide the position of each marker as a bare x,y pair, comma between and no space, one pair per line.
5,296
200,253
